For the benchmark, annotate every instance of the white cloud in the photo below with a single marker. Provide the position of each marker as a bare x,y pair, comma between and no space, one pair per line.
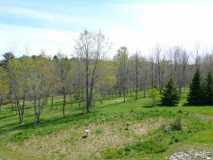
46,16
166,24
18,39
178,23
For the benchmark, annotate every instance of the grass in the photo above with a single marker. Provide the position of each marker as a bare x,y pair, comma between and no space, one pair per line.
133,130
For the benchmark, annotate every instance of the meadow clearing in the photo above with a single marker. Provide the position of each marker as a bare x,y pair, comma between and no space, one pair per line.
117,130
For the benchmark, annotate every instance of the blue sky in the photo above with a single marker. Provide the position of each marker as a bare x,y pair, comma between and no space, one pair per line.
65,14
28,26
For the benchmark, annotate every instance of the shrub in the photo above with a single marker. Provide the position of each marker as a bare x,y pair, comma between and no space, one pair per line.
154,94
176,125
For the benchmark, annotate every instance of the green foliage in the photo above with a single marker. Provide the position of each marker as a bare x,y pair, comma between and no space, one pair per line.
175,125
7,57
188,125
154,145
196,91
201,93
154,94
208,89
4,82
159,141
122,71
99,131
170,96
113,153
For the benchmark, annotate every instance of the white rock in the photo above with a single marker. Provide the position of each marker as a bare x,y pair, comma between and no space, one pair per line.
192,155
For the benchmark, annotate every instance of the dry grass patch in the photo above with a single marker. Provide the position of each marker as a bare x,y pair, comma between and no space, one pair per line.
148,125
69,144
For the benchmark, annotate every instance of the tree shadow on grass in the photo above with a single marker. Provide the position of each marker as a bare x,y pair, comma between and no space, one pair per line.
110,105
46,126
7,116
149,106
58,120
8,128
196,105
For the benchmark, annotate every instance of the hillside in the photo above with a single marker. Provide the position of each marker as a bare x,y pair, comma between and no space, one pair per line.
116,130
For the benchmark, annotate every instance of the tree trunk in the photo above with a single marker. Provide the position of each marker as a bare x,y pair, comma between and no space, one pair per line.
144,88
87,84
64,104
20,110
37,110
1,101
91,87
124,95
136,78
52,102
152,72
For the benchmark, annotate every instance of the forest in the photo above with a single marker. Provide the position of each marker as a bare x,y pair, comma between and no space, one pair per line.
88,106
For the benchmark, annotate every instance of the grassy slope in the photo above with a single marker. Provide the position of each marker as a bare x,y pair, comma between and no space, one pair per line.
118,131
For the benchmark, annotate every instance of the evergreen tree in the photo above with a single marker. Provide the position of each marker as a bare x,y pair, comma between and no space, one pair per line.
170,96
195,94
208,89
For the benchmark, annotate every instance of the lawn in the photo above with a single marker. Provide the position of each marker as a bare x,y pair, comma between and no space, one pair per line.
126,131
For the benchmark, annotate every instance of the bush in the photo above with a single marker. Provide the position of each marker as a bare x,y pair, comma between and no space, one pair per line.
153,145
176,125
154,94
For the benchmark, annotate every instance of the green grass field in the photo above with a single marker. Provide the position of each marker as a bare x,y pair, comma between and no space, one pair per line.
129,131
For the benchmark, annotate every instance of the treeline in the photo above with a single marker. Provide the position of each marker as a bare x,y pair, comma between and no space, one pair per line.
89,76
200,91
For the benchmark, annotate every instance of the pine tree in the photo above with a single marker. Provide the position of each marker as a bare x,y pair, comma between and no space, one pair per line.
208,89
170,96
195,94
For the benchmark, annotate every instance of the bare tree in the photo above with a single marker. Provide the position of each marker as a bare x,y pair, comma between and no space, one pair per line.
136,75
63,72
122,73
158,67
184,64
152,72
18,85
39,74
4,85
134,64
144,75
90,48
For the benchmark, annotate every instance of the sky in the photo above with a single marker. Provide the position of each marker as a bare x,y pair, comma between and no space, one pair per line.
29,26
